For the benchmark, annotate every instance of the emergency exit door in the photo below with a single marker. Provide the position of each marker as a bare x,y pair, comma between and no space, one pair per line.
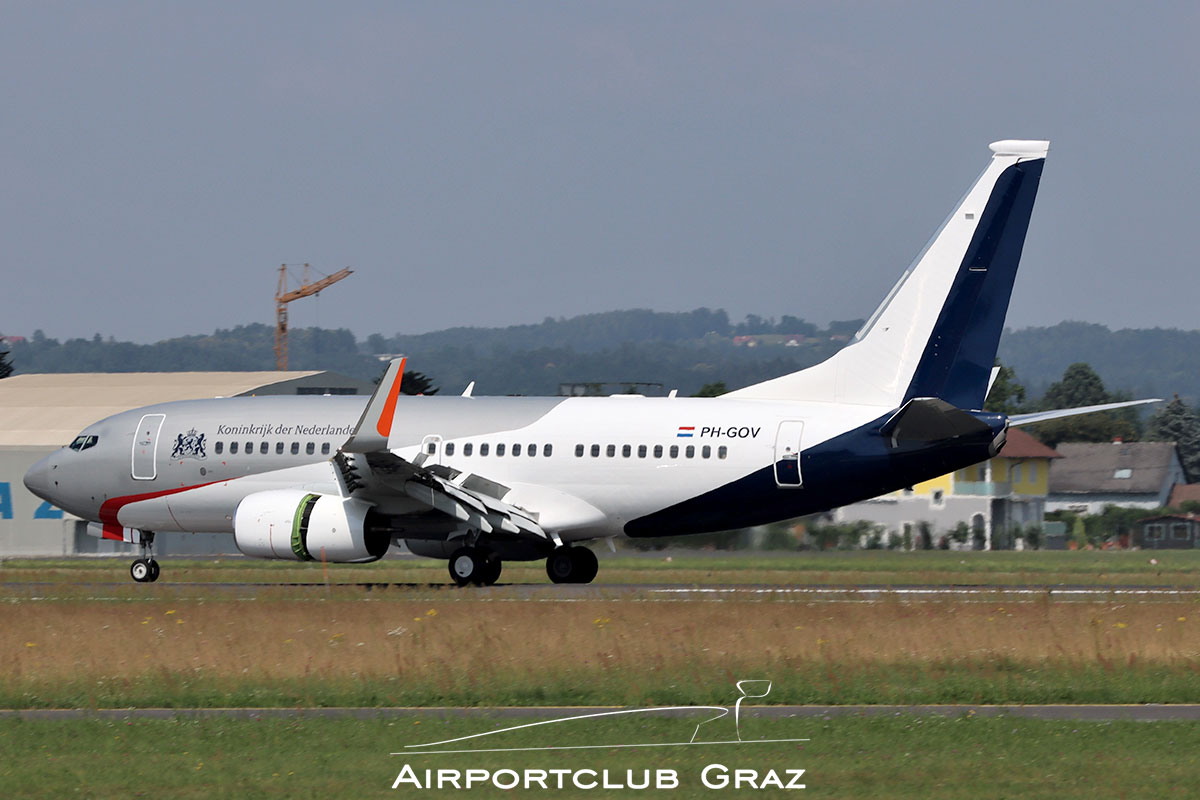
787,453
145,442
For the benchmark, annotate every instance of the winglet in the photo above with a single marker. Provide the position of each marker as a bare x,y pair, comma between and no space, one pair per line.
375,424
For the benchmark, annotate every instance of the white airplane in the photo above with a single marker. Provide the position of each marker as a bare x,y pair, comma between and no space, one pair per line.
479,480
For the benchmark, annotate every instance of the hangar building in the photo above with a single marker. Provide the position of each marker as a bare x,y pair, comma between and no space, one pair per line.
41,413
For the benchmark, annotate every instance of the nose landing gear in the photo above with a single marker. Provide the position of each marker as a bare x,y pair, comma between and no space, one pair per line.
145,569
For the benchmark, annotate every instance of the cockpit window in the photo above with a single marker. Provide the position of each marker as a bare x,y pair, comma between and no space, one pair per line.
83,442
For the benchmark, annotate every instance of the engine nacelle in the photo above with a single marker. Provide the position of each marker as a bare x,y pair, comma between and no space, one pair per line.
302,526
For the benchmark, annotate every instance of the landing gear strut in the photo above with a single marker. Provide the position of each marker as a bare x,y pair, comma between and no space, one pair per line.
572,565
474,565
145,569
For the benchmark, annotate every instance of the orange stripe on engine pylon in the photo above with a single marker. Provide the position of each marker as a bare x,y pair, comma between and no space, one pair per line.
384,425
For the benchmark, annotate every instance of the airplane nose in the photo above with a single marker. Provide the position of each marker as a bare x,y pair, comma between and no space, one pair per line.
40,478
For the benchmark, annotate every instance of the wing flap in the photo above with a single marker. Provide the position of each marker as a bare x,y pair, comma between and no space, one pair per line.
456,494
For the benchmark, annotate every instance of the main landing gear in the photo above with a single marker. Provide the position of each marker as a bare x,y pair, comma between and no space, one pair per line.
145,569
572,565
481,567
474,565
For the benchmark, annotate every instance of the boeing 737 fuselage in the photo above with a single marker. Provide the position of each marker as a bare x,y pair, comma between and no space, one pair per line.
479,480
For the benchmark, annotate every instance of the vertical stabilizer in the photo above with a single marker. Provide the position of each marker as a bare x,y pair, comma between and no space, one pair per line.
936,333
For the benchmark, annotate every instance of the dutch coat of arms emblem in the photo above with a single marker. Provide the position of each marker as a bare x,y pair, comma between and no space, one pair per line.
189,445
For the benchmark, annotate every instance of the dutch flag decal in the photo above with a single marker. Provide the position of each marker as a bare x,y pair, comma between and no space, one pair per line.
686,431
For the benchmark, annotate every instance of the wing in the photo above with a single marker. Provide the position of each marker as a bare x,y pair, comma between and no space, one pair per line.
368,470
472,500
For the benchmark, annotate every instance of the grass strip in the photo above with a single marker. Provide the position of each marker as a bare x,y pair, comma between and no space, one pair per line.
897,757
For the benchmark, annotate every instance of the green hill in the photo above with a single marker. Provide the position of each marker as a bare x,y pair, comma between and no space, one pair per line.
679,350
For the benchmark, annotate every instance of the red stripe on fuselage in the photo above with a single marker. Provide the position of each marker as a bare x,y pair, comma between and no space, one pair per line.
110,507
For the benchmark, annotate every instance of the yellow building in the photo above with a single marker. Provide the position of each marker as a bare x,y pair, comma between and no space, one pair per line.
998,499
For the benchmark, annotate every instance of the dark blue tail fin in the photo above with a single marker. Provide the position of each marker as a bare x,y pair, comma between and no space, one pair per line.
936,333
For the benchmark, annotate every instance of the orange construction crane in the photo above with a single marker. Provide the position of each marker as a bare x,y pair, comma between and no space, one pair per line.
283,297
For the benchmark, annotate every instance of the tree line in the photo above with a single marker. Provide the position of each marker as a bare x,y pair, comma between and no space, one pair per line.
683,350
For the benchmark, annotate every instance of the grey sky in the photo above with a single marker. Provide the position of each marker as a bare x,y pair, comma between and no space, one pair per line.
486,164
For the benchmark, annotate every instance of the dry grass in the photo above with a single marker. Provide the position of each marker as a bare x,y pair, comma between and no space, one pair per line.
496,652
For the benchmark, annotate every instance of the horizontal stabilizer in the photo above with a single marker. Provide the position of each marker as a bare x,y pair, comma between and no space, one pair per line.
927,419
1018,420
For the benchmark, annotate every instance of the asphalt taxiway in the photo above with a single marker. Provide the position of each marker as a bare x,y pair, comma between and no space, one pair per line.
39,590
1090,713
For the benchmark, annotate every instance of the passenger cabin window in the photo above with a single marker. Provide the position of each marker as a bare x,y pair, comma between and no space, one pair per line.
658,451
324,449
722,451
249,448
531,449
431,448
626,451
578,450
310,448
468,448
233,448
641,451
548,450
279,448
516,449
611,451
690,452
220,448
499,449
295,448
674,451
450,449
483,449
706,451
264,448
595,451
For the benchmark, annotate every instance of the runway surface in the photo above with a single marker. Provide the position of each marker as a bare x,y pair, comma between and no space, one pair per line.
1090,713
545,592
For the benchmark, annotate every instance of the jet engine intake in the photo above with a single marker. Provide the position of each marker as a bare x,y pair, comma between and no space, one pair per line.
302,526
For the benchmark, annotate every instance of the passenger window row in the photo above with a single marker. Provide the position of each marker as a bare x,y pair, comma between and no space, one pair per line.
689,451
310,448
627,450
468,449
